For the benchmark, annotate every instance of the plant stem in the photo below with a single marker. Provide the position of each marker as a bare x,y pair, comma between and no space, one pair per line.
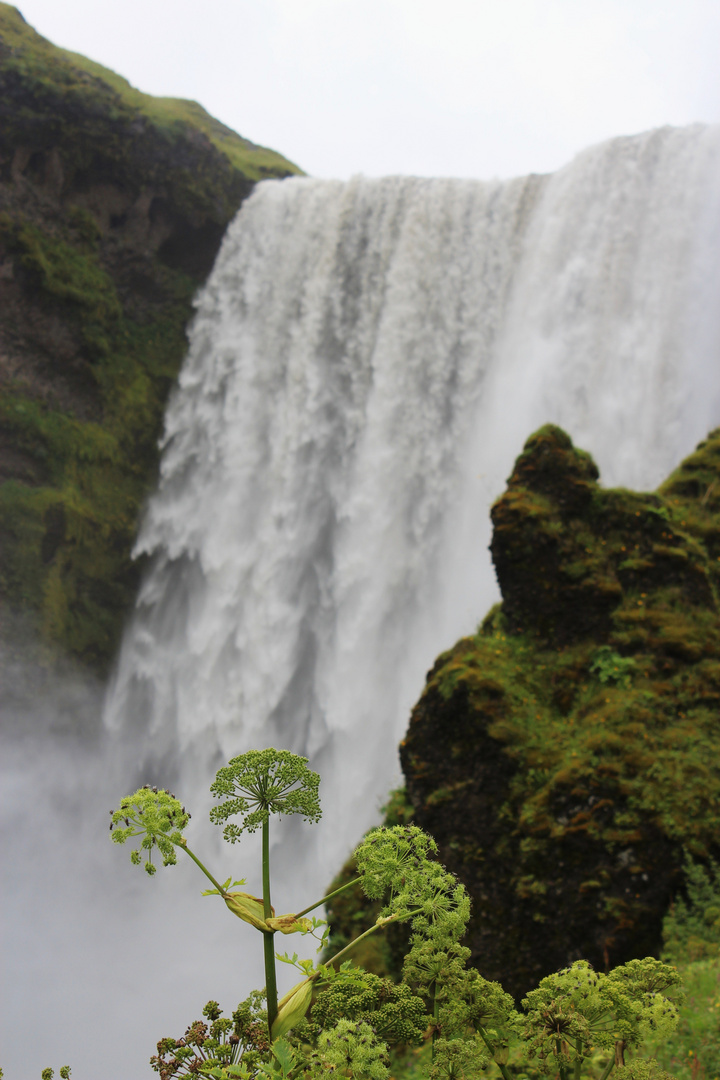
578,1060
268,936
373,928
436,1017
329,896
204,869
608,1069
503,1069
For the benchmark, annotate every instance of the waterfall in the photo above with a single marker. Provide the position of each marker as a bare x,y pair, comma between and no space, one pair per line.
366,361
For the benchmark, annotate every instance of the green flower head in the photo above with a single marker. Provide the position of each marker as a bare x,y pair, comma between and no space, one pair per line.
155,815
388,859
350,1049
263,782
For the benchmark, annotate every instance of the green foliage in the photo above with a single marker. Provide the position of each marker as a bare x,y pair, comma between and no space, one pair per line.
691,929
264,782
692,1050
610,667
343,1020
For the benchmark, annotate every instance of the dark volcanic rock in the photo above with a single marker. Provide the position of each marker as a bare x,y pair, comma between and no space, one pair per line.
565,755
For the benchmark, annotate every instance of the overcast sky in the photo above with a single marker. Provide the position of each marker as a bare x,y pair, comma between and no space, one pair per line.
468,88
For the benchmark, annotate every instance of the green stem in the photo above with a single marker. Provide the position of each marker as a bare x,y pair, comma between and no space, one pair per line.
436,1017
376,926
609,1068
329,896
578,1060
204,869
268,937
503,1068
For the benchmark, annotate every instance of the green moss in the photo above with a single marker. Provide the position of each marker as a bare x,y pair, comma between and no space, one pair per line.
114,205
565,755
79,578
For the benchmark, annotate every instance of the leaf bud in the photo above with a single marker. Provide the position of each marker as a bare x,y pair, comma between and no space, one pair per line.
248,908
289,924
292,1008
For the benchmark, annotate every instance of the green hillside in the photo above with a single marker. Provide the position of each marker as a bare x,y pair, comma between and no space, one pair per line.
38,61
113,205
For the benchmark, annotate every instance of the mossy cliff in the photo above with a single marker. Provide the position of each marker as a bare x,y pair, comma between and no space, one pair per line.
112,208
565,755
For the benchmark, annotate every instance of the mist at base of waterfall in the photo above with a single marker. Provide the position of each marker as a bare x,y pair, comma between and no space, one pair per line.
100,960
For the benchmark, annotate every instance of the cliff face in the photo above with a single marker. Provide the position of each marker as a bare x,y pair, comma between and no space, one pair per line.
565,755
112,208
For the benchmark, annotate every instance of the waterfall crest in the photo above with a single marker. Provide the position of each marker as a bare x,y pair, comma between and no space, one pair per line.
366,361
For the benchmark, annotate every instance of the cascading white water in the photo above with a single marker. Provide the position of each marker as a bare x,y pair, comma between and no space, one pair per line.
366,361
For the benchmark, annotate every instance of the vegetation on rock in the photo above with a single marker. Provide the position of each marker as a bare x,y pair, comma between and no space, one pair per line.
566,755
112,208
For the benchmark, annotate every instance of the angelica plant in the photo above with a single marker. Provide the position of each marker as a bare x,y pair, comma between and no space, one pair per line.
251,788
577,1009
341,1020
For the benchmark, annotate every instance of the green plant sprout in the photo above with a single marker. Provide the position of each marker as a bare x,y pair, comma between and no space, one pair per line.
611,667
342,1020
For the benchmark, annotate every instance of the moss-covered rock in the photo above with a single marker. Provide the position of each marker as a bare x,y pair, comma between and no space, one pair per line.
112,208
565,755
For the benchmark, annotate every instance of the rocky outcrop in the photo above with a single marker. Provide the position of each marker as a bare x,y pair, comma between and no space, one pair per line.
565,755
112,208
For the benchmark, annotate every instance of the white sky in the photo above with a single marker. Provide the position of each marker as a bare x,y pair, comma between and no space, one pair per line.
468,88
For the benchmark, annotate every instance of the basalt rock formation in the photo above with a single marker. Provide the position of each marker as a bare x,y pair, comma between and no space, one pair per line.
566,755
112,208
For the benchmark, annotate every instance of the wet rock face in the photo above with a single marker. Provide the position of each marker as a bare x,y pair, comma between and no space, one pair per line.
112,209
565,755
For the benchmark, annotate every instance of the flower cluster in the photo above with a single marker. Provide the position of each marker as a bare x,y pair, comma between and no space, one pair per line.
350,1049
393,1011
459,1059
577,1009
216,1042
155,815
263,782
395,863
